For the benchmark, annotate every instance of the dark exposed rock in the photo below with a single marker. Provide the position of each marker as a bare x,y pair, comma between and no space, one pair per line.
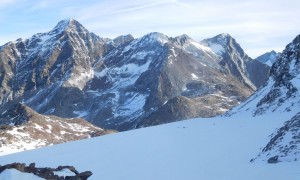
84,175
251,72
273,159
41,130
47,173
285,142
71,168
284,73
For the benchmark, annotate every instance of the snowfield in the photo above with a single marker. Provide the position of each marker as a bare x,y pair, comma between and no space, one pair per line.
13,174
210,149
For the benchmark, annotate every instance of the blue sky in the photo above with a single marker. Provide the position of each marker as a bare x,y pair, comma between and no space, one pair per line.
258,25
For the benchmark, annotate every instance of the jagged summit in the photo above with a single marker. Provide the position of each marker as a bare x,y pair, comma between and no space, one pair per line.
268,58
224,35
68,25
251,72
181,40
155,37
223,43
120,40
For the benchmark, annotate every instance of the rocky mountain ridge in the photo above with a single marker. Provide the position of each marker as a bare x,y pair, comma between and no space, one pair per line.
125,83
268,58
24,129
280,95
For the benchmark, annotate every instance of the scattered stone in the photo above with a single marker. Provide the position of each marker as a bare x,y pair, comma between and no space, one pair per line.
84,175
273,159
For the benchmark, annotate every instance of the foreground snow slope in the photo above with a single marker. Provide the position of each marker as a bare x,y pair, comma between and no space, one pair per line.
217,148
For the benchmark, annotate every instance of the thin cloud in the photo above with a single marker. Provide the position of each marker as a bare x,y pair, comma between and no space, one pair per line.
256,24
139,7
4,3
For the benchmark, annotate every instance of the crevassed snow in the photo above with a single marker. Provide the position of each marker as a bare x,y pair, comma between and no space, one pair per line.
13,174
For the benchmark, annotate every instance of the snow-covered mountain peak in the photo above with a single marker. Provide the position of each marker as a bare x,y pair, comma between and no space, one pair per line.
217,44
268,58
181,40
68,25
156,37
119,83
123,39
225,35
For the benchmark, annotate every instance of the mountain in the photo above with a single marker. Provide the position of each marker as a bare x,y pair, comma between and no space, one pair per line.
268,58
280,95
125,83
251,72
22,129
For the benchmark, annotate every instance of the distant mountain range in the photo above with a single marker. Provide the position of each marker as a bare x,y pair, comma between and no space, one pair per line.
125,83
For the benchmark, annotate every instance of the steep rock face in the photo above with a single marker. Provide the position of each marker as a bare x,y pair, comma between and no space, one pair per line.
281,92
122,83
285,75
268,58
279,95
251,72
137,81
62,57
22,129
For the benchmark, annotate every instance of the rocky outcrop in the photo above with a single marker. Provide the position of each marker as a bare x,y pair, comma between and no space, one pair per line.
21,128
268,58
284,144
279,95
251,72
48,173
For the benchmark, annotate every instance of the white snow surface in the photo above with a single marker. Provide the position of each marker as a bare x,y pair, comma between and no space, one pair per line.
13,174
214,149
217,49
64,172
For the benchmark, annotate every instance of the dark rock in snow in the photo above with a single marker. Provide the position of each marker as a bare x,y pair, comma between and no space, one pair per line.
47,173
273,159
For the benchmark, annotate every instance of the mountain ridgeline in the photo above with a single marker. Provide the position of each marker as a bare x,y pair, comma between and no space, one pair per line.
126,83
279,95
